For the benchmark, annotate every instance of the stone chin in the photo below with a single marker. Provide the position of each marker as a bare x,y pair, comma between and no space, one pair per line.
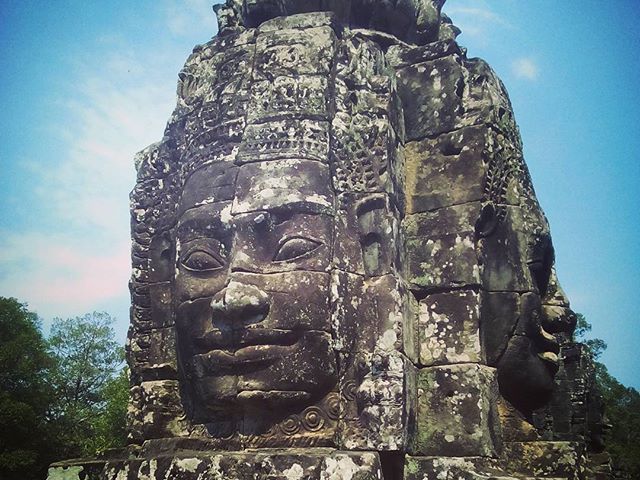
214,399
526,374
527,369
213,403
278,377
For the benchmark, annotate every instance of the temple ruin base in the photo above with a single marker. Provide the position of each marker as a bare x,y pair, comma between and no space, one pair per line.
533,460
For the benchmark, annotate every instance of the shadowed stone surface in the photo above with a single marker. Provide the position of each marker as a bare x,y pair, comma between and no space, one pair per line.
340,267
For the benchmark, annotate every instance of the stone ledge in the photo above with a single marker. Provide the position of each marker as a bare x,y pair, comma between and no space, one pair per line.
545,459
310,464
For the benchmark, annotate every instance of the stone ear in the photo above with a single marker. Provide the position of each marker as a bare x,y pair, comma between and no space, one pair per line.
487,221
372,218
161,258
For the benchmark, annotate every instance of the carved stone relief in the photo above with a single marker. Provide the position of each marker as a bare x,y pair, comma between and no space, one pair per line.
337,245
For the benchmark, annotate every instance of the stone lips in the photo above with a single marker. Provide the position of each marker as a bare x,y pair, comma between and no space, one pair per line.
339,225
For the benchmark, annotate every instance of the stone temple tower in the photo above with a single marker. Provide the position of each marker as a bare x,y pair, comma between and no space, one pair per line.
340,267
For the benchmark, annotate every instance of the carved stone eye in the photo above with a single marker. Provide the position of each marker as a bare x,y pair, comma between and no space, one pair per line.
202,261
295,247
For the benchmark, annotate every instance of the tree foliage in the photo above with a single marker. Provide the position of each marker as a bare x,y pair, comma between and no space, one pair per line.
61,397
87,356
596,346
87,360
109,426
25,394
622,408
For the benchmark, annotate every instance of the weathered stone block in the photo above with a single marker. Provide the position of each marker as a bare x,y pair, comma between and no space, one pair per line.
545,459
510,249
294,52
455,413
288,138
440,247
353,331
366,232
449,328
304,309
500,313
379,397
449,261
267,244
514,427
370,314
289,97
153,355
300,21
432,96
220,186
450,468
210,73
395,321
362,144
458,219
151,162
347,250
400,56
487,101
154,308
359,64
155,410
310,464
448,170
304,184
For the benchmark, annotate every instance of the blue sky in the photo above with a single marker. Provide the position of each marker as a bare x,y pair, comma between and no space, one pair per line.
86,84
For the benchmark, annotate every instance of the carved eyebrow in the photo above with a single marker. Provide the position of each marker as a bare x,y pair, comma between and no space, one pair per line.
195,226
295,205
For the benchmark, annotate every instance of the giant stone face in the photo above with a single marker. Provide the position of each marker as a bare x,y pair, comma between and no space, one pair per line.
337,242
252,291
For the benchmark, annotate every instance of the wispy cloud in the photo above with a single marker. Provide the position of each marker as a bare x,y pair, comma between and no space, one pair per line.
483,14
525,68
117,109
118,97
62,275
476,19
182,16
113,116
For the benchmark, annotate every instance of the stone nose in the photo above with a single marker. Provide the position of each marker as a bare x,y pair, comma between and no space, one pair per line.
240,303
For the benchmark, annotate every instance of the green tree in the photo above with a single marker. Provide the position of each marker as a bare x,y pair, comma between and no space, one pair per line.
85,378
596,346
622,407
109,426
26,435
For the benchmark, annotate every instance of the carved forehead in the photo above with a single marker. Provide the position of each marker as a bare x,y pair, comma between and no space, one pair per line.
223,189
204,220
288,184
211,183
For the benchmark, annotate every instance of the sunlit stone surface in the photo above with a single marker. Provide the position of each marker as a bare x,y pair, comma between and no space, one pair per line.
340,268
